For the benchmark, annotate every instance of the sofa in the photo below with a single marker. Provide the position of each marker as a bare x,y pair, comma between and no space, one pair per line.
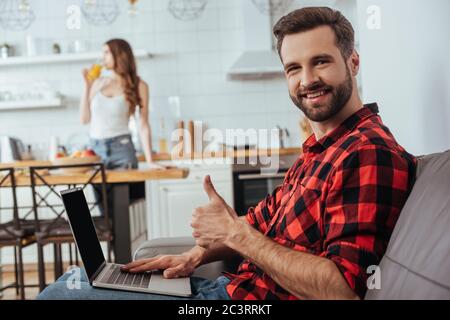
416,264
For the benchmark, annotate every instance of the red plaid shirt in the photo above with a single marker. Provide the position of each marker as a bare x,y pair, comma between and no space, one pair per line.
340,200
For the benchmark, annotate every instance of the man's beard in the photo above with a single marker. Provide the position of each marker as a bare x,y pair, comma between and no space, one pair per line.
339,98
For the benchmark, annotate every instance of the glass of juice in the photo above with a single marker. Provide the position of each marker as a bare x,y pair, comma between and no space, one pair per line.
95,71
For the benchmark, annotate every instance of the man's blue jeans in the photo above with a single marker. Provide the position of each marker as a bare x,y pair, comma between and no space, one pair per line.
66,289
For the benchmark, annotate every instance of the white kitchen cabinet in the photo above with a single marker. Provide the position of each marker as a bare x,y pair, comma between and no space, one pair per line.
171,202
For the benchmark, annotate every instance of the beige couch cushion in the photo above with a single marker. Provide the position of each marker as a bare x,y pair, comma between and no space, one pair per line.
417,262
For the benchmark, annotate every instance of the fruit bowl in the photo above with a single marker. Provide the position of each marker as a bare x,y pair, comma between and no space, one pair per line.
72,161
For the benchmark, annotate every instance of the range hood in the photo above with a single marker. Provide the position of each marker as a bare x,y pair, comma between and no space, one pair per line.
259,60
253,65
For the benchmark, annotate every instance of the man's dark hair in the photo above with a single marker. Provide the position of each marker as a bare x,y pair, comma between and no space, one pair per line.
306,19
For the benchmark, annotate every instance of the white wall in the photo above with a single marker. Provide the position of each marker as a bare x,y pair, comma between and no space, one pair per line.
405,67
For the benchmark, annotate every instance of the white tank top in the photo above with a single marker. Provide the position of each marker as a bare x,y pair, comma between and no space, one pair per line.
109,116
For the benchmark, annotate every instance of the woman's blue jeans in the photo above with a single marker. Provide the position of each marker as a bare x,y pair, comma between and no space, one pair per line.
117,152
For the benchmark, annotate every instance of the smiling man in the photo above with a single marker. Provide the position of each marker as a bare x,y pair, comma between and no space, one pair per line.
315,236
333,216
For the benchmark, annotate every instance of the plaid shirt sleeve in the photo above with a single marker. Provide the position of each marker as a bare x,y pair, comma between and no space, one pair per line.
366,195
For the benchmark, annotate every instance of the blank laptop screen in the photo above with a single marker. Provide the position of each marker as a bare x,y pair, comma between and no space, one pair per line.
83,230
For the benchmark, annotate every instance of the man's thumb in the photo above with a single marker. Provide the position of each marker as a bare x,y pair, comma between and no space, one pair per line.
209,188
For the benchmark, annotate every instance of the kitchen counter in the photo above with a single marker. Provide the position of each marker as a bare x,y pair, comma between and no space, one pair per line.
229,154
152,174
112,177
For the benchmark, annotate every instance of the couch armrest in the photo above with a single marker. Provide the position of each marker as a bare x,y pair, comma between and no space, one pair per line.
155,247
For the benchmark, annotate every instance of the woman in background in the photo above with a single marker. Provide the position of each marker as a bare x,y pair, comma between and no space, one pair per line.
108,103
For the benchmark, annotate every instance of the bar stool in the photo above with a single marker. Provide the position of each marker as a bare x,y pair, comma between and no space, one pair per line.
17,233
56,230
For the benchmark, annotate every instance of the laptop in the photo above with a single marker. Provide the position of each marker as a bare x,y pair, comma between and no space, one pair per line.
109,275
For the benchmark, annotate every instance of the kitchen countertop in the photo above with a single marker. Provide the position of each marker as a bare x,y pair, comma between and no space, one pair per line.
114,177
229,154
168,157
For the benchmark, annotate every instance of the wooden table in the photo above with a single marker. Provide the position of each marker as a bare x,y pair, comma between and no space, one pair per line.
120,184
112,177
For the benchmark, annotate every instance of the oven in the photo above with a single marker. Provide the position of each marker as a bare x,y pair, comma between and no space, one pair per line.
250,185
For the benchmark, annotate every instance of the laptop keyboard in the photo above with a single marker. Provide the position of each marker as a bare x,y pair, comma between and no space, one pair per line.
117,277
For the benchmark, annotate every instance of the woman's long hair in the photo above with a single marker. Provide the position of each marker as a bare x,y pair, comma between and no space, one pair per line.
125,67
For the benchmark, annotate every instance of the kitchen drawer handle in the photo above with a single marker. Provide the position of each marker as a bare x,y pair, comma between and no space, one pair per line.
260,176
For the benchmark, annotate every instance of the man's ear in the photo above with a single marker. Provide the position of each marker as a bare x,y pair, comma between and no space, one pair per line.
354,63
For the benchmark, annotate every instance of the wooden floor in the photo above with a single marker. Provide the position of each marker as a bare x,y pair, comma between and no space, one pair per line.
31,277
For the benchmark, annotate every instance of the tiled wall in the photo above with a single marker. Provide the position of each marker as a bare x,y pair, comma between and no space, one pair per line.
191,61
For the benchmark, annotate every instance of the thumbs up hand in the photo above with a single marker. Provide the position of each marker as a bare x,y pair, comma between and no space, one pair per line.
214,221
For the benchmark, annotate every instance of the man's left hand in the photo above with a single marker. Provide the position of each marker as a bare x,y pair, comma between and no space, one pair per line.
215,221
